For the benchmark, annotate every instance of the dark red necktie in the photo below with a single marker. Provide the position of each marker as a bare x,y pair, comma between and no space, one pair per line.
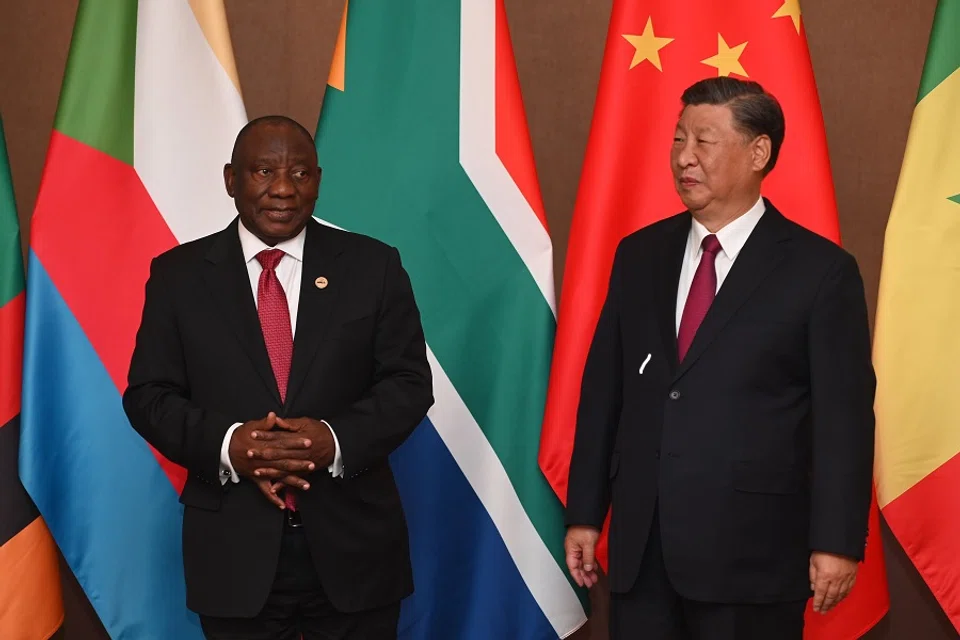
703,289
277,332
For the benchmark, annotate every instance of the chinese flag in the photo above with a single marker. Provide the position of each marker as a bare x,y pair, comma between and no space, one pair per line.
655,49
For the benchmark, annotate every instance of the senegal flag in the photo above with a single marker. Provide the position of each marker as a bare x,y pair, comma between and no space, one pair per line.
917,347
423,144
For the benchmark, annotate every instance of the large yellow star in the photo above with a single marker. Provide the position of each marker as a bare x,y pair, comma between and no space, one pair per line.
647,46
727,60
791,9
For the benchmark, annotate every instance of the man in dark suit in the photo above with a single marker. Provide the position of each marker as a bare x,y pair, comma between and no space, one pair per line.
726,413
280,362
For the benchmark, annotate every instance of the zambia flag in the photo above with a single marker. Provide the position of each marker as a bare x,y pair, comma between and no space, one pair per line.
917,348
423,144
30,604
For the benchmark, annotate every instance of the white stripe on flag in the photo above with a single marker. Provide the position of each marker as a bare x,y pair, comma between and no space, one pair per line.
478,152
485,473
187,113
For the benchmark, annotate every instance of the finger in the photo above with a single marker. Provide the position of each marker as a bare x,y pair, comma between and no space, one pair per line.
269,489
819,593
276,453
577,576
274,469
282,439
296,482
832,596
270,421
590,578
573,562
847,587
589,562
286,425
813,576
281,477
576,573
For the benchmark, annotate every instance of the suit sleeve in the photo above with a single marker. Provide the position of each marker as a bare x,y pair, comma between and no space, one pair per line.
843,386
402,390
588,491
157,398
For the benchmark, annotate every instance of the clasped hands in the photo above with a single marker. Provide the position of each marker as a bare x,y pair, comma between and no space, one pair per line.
275,452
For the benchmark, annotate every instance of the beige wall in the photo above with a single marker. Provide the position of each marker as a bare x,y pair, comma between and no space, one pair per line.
867,55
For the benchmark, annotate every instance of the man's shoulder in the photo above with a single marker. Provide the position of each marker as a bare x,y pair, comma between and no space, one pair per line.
811,245
655,232
355,243
189,252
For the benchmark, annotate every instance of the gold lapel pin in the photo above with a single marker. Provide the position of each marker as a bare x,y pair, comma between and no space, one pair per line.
321,282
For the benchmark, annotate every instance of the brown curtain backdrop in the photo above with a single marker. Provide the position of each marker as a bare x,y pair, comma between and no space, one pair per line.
867,55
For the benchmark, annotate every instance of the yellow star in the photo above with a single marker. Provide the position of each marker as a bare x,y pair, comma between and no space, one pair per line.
647,46
791,9
727,60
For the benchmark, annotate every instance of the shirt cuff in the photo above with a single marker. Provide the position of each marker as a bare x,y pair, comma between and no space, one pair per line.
227,472
336,467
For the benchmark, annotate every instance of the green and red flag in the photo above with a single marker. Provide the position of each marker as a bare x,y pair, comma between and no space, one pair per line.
916,349
655,49
31,607
149,109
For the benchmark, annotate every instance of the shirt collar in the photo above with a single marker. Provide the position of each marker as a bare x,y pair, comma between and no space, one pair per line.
252,245
734,235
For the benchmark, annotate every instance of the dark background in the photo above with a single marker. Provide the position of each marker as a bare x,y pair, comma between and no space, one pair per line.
867,55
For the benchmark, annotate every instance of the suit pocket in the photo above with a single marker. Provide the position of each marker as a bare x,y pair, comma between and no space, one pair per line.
614,465
352,326
755,477
201,496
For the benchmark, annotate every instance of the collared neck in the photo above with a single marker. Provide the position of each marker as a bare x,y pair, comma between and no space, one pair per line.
252,245
734,235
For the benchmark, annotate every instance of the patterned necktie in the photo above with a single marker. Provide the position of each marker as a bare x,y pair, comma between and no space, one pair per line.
703,289
277,332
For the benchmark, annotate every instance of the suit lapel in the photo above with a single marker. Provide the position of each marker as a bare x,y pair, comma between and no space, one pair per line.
320,260
229,283
669,263
759,256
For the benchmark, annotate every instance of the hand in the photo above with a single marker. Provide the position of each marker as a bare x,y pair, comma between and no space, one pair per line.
580,544
315,435
831,579
255,446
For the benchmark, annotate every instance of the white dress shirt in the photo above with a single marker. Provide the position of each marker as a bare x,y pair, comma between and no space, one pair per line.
732,237
288,271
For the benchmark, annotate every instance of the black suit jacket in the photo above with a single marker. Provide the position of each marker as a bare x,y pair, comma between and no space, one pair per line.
359,362
758,448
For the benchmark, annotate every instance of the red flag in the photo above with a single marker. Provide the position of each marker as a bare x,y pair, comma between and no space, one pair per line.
655,49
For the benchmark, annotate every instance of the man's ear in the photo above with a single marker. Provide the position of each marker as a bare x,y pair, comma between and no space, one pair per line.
228,178
761,149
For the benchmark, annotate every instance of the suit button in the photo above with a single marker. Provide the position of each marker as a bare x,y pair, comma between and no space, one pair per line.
674,395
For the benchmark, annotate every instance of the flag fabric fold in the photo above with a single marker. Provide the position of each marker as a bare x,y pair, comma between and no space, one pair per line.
655,49
423,144
915,347
31,605
148,111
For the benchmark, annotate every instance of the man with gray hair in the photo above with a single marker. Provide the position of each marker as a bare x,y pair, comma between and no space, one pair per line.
726,411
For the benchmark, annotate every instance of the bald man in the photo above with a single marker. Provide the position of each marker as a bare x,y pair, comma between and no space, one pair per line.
281,362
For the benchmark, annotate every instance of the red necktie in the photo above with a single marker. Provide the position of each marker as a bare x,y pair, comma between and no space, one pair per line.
703,289
275,324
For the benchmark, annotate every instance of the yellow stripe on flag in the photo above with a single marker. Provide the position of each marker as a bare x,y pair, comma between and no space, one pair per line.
212,18
338,66
916,349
